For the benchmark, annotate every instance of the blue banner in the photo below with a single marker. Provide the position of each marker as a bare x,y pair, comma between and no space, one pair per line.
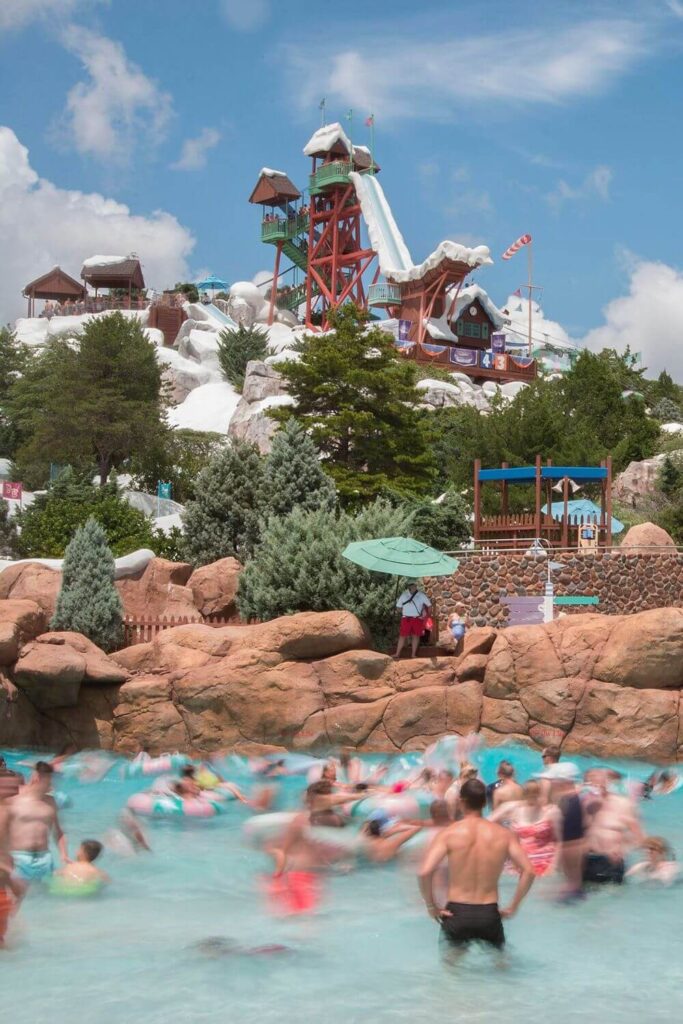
163,490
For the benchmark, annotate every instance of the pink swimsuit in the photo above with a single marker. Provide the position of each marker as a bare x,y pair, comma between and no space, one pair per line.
538,842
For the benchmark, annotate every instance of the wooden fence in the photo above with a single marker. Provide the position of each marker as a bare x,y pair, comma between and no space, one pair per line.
142,629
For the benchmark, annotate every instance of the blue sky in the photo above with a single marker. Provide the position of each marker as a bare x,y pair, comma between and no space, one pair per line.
492,119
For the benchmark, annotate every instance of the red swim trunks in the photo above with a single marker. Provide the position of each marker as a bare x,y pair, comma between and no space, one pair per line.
6,908
411,626
293,892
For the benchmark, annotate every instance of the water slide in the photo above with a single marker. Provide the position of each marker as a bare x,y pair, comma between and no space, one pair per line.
395,260
216,314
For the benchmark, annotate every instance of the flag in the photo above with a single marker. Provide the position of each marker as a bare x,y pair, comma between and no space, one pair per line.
12,491
321,105
516,246
349,114
518,293
163,490
369,121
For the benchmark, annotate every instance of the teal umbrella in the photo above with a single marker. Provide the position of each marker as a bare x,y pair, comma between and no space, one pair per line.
400,556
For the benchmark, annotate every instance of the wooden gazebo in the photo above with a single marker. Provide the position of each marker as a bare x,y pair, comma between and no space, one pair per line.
125,274
566,530
55,286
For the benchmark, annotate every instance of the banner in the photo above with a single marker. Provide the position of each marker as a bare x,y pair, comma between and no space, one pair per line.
464,356
404,329
521,362
500,362
486,360
433,350
498,342
12,491
163,490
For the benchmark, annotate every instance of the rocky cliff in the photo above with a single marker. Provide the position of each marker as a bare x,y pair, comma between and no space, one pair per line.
607,685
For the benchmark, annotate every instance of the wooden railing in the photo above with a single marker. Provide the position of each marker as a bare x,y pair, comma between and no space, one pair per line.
143,629
100,304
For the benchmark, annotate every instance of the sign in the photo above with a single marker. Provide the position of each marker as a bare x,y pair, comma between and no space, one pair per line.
524,611
500,361
464,356
486,360
163,490
404,329
11,491
498,342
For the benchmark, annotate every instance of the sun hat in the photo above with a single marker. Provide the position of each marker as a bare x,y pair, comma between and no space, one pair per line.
563,771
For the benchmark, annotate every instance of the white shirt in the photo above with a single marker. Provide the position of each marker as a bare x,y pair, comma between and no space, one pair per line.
412,605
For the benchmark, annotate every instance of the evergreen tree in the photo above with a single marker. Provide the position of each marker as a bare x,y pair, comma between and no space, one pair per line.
292,474
13,360
670,477
88,601
444,525
237,347
224,518
298,566
667,411
8,532
99,398
357,397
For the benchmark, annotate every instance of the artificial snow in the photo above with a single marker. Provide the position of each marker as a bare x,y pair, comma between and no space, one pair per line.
154,335
31,330
208,407
672,428
466,296
427,384
5,469
437,328
104,261
133,564
268,172
326,138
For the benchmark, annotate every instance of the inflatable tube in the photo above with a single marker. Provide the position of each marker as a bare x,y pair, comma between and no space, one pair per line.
61,799
402,805
263,827
73,888
143,764
169,805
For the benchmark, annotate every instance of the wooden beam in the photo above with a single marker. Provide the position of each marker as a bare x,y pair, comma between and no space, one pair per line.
538,495
477,499
608,502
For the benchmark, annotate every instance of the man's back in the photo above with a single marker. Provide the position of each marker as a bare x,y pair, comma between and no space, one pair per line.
476,851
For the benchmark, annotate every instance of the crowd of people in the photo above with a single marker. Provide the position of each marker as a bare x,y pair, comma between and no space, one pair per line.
90,305
463,833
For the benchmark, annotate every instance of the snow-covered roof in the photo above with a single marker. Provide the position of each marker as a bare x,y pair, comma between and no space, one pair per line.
270,173
102,261
472,293
437,328
445,251
326,138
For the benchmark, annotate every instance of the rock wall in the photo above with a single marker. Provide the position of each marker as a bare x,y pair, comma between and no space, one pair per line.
607,685
625,583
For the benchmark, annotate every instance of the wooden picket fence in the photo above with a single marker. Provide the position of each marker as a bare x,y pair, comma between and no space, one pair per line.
141,629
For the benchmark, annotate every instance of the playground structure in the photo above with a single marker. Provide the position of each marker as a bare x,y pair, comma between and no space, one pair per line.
557,528
322,239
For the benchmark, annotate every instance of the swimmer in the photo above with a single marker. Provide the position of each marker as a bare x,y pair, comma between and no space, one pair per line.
561,779
612,829
660,865
383,837
536,824
352,767
506,789
190,786
131,829
476,851
33,819
321,801
10,893
467,771
10,781
82,870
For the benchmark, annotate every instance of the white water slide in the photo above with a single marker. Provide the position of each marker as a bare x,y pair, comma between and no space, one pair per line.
395,261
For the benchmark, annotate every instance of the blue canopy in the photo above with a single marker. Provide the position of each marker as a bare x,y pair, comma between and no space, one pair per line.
212,284
521,474
578,507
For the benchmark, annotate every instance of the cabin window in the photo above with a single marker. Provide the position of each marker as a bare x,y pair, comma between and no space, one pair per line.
471,330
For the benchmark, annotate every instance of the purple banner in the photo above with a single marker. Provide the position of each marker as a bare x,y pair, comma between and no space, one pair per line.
524,611
464,356
486,360
404,329
498,342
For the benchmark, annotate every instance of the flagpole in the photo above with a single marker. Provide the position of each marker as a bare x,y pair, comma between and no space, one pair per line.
372,144
530,265
322,112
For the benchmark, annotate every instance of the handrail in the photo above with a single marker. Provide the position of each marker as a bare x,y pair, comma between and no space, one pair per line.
558,552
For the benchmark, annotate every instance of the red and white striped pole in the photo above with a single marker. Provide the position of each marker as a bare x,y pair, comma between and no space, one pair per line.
508,254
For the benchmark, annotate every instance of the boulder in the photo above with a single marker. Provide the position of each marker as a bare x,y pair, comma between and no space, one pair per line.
472,666
616,721
350,726
479,640
214,587
411,717
579,641
261,381
506,716
414,672
160,591
19,621
638,481
645,539
33,582
50,675
356,676
146,718
99,668
644,651
304,635
463,708
553,701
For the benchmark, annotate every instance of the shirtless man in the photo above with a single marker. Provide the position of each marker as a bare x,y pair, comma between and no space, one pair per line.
32,819
612,829
507,789
476,850
9,891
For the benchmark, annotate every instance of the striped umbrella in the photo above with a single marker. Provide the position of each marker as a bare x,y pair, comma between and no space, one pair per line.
516,246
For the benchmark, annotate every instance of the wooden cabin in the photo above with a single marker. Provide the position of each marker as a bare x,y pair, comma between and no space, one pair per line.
124,275
55,286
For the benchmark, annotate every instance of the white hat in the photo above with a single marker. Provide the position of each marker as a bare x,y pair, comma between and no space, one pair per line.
563,771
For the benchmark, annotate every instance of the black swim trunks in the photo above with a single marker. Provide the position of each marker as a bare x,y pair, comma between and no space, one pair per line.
572,818
473,922
600,870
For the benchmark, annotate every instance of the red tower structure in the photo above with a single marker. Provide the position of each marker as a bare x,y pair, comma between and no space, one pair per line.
337,258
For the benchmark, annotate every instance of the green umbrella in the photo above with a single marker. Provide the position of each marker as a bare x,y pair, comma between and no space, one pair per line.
400,556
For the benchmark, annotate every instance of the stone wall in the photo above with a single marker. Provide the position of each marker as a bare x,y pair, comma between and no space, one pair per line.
624,583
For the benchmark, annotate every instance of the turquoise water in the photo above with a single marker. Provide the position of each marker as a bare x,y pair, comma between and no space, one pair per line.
371,952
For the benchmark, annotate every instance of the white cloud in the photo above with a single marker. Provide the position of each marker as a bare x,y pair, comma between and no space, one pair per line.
245,15
18,13
194,152
42,225
595,185
117,107
408,77
649,319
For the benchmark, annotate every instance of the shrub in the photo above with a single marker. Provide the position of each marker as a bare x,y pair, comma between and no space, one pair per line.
88,601
237,347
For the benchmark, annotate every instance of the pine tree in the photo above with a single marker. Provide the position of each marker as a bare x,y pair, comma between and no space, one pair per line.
8,532
667,411
670,477
298,566
445,524
358,399
224,518
88,601
293,476
237,347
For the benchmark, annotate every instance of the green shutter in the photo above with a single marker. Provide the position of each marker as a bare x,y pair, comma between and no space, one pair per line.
484,330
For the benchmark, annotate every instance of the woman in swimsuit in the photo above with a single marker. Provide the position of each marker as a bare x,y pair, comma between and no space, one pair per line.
536,825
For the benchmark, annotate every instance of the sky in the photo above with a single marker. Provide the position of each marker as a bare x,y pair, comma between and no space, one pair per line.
141,125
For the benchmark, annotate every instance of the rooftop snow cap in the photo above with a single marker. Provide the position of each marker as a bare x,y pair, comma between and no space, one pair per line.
331,138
